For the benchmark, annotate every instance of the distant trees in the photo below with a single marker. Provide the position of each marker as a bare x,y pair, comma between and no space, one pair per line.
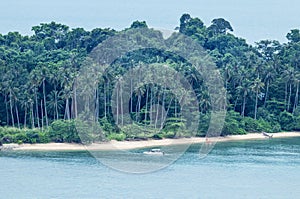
38,82
219,26
139,24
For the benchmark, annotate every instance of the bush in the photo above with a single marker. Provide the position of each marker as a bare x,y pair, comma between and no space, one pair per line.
63,131
251,125
265,126
21,137
286,121
169,135
297,124
106,125
117,136
232,124
232,128
204,120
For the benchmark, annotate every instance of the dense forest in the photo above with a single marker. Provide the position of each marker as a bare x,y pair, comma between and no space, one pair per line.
38,83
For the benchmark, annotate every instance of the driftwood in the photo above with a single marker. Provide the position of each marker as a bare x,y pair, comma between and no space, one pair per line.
267,135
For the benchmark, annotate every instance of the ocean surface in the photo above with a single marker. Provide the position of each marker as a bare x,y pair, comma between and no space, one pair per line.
243,169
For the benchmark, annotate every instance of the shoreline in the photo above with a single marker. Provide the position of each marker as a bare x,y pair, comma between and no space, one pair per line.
127,145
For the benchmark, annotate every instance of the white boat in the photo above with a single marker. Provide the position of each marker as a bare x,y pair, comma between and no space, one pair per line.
154,152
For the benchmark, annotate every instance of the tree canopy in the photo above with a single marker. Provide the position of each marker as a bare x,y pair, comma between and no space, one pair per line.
38,81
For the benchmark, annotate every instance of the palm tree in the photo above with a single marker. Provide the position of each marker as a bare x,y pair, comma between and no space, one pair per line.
269,77
244,89
296,80
55,103
256,87
288,76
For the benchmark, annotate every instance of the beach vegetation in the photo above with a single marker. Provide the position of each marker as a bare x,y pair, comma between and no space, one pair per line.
38,84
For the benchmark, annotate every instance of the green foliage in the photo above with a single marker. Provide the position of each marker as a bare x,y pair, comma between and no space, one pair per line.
232,125
64,131
297,124
220,26
174,125
117,136
286,121
106,126
32,136
204,120
38,74
139,24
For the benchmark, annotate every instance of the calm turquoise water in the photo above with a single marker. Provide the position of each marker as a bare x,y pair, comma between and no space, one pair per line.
244,169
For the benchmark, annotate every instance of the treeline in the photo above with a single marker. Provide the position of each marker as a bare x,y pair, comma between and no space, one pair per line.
38,82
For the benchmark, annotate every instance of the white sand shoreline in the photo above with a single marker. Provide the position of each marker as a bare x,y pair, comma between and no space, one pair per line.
125,145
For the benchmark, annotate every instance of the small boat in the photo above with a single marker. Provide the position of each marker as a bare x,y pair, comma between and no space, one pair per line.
154,152
267,135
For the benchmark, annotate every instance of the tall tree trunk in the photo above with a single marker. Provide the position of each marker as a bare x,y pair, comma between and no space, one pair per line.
25,116
267,93
285,95
56,104
289,100
296,98
45,103
74,100
175,102
67,110
146,111
163,107
256,101
104,91
11,108
37,108
17,115
131,92
117,122
157,110
97,104
32,115
121,101
42,112
7,111
235,103
244,104
151,104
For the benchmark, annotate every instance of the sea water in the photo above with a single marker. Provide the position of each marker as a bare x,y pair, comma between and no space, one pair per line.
267,168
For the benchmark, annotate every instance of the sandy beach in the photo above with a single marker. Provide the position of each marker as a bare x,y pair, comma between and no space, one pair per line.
125,145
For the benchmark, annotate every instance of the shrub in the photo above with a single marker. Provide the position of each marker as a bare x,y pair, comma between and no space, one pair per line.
286,121
117,136
232,128
232,124
43,137
63,131
21,137
106,125
297,124
265,126
251,125
169,134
